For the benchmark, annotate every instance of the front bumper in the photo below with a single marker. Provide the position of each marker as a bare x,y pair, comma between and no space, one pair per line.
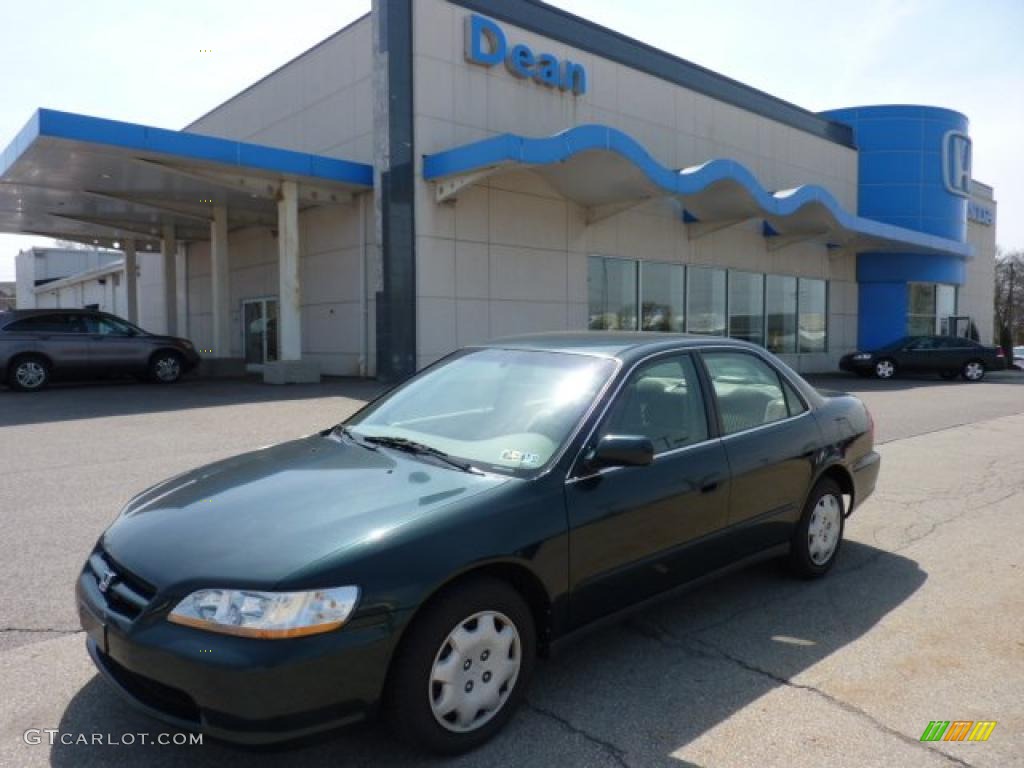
239,689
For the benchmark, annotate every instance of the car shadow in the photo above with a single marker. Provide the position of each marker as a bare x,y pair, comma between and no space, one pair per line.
636,692
121,397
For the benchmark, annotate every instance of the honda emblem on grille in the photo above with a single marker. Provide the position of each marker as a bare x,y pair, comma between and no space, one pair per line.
107,580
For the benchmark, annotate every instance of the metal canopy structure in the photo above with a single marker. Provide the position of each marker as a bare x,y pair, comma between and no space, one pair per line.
104,182
606,171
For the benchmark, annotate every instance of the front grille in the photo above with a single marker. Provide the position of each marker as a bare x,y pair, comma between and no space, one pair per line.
162,698
125,594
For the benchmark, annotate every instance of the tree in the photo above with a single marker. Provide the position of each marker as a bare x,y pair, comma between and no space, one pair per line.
1009,299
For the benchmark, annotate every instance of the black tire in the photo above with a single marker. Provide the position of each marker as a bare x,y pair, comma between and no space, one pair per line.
973,371
410,688
28,373
949,375
883,365
801,561
166,367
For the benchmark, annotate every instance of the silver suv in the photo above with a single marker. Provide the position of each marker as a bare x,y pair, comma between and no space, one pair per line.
37,345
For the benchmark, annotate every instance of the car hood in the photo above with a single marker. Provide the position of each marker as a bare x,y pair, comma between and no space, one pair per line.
253,519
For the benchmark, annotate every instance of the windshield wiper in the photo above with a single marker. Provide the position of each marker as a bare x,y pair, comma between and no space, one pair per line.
357,439
411,446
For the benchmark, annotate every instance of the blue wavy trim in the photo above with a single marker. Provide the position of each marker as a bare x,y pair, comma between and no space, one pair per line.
511,148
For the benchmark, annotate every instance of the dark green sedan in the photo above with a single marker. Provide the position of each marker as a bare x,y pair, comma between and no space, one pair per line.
416,559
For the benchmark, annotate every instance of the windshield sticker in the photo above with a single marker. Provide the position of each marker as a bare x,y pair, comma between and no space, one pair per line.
520,457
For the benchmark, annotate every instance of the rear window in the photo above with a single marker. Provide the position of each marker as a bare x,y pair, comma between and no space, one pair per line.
62,323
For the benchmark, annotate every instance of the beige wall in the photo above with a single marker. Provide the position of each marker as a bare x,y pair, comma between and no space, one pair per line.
320,102
977,294
510,255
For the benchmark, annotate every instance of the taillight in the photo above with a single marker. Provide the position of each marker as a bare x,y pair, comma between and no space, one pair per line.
871,424
999,352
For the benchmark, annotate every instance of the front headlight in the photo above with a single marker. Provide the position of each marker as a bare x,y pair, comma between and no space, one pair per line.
272,615
862,356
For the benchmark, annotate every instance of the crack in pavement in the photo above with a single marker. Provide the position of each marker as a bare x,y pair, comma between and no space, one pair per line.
845,706
616,752
42,630
659,634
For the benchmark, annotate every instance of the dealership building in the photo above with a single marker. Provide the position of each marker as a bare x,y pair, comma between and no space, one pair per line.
442,172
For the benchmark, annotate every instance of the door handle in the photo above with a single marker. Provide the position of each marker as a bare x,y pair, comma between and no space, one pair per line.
709,486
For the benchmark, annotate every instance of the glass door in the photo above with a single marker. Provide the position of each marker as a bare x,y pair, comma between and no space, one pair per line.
259,332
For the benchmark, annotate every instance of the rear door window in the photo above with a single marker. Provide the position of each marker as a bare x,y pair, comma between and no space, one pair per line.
57,323
748,390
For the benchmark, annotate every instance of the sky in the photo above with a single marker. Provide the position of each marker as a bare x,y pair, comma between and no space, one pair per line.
144,61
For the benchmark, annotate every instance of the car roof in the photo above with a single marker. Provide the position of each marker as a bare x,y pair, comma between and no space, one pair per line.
12,313
623,345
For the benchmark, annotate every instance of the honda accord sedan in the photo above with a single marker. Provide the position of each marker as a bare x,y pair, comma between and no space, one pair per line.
40,345
948,356
417,558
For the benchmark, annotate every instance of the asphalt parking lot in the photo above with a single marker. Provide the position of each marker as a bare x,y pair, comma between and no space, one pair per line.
922,619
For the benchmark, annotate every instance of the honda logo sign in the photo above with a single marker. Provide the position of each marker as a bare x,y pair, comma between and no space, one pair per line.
956,163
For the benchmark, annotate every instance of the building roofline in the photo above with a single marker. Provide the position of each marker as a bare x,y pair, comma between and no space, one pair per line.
274,71
568,28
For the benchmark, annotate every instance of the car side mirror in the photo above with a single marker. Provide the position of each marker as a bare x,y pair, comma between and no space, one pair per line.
622,451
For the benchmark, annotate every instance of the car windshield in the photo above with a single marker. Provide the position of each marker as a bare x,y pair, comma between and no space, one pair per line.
500,409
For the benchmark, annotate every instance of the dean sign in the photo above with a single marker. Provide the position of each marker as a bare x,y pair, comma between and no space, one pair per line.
486,44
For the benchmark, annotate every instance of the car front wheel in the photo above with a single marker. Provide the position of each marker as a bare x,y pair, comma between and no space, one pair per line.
885,369
29,374
973,371
165,368
817,539
463,668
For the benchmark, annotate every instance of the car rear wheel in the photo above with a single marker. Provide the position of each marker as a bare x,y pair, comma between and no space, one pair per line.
819,534
29,373
885,368
973,371
463,668
165,367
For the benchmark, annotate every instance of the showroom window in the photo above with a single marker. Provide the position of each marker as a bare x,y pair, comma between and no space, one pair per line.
780,314
784,314
812,308
661,291
746,306
929,307
611,286
705,301
920,309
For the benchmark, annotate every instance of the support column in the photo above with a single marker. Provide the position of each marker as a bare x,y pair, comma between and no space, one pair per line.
290,293
131,281
220,275
181,281
289,368
169,253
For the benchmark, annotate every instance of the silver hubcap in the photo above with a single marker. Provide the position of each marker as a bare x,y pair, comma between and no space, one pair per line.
30,375
823,531
885,369
167,368
974,371
474,671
